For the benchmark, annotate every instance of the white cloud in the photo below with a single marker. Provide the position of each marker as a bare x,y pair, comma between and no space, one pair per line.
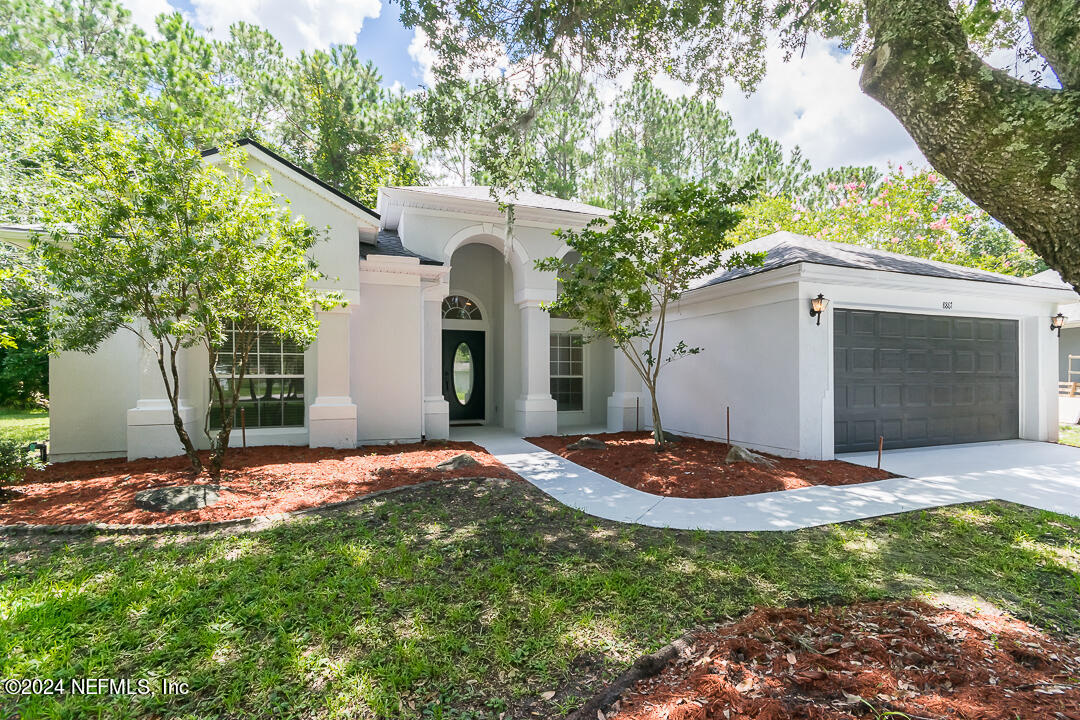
422,54
144,12
815,102
298,24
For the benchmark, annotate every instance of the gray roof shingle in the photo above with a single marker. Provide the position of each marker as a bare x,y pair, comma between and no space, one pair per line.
387,242
785,248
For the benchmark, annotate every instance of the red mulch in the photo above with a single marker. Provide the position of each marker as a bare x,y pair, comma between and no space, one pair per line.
693,468
910,657
256,481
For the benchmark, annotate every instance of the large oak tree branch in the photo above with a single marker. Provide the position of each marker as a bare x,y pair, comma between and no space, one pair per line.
1012,147
1055,33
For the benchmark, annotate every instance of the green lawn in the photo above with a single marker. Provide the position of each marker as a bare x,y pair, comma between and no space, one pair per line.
467,600
1069,435
24,425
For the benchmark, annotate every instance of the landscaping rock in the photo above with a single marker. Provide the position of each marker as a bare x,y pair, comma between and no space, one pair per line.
177,499
587,443
457,462
741,454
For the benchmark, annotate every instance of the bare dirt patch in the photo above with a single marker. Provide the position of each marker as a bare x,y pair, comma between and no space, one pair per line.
693,468
255,482
864,661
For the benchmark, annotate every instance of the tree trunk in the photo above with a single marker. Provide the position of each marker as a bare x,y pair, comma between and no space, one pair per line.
173,391
1012,147
658,426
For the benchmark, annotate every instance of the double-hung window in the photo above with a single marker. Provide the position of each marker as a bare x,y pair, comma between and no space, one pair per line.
567,371
272,391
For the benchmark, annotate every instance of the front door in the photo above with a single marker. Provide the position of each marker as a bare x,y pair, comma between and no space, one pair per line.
463,373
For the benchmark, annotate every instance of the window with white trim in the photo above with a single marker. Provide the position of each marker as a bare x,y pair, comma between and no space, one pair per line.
272,391
567,371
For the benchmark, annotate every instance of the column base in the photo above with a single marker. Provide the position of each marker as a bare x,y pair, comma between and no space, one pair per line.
332,423
537,415
436,418
151,432
623,412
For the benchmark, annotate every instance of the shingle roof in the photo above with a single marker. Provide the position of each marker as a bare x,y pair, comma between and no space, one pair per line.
524,198
784,248
387,242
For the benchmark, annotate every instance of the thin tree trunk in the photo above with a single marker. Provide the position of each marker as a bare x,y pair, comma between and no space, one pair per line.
173,393
658,427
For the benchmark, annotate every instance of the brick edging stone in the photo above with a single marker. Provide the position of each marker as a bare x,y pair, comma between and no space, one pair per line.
212,525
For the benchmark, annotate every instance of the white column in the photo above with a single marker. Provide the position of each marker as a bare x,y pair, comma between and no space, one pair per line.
1039,402
332,417
626,397
535,408
436,409
151,431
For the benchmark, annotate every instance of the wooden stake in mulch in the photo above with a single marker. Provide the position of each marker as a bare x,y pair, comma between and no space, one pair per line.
243,427
729,426
880,445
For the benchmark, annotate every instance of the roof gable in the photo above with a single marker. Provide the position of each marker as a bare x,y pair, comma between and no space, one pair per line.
302,176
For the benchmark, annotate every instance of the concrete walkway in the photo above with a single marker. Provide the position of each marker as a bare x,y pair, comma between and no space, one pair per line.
1037,474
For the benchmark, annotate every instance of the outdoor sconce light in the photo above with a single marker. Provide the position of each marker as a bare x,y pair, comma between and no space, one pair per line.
817,306
1056,322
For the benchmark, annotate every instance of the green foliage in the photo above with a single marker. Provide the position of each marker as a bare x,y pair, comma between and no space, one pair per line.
13,461
146,236
633,264
916,213
342,126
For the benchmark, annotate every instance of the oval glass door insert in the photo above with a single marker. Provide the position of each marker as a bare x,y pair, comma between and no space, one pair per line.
464,370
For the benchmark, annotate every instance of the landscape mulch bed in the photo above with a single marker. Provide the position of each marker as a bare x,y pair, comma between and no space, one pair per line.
693,468
864,661
255,482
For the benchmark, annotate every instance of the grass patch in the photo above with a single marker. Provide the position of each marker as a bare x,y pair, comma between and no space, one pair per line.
26,426
1069,435
467,601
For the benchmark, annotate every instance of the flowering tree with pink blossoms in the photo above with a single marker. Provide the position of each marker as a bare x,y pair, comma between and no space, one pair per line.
916,213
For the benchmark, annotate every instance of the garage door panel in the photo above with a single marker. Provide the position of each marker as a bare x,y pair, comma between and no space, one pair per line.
863,323
923,380
861,360
891,326
917,360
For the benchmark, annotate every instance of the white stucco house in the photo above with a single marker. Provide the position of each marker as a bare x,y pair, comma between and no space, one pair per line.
444,326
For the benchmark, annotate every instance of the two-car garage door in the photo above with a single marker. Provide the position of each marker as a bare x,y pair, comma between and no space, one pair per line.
923,379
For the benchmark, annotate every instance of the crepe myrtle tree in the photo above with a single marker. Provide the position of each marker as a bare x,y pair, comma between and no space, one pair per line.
635,263
147,236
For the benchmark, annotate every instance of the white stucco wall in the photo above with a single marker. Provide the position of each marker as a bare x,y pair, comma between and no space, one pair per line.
337,253
89,396
387,356
748,362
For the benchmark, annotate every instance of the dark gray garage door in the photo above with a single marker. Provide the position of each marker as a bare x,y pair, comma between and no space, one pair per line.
923,380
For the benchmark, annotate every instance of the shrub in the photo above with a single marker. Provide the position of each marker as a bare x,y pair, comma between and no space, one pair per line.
13,461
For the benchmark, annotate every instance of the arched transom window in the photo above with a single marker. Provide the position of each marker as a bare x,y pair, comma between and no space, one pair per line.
459,307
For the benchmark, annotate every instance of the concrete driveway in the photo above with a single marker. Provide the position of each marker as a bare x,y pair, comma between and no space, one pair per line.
1041,475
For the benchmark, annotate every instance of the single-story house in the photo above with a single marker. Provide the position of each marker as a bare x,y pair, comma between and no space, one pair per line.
445,326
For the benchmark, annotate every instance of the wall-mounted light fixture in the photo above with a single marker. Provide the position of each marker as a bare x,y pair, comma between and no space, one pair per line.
817,306
1056,322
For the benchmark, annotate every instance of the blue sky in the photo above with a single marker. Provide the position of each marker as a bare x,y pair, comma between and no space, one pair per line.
813,101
